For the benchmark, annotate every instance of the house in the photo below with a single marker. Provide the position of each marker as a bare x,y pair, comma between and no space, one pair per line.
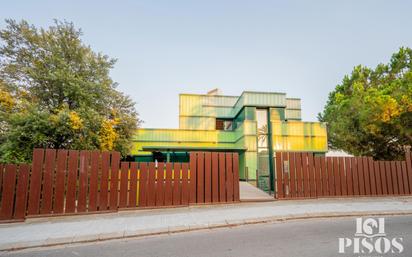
254,124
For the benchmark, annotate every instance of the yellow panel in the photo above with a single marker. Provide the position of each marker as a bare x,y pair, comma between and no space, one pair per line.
299,143
250,143
276,127
295,128
319,129
197,123
251,164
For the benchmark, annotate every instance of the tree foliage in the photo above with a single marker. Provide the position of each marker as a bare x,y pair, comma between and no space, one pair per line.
370,112
57,92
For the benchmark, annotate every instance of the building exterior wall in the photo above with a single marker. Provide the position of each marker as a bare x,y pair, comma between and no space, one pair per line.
197,129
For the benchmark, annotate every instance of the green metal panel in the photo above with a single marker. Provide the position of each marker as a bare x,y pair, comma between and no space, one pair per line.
197,123
206,105
179,135
242,174
227,106
293,103
293,114
250,113
277,114
260,99
251,164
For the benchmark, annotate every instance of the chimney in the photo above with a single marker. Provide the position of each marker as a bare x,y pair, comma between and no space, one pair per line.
215,91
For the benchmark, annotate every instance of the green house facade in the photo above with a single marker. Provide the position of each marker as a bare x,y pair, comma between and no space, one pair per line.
254,124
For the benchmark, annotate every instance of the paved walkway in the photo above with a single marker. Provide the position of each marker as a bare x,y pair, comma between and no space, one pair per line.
63,230
249,192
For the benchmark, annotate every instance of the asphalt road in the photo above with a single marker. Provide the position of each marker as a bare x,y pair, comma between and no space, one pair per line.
314,237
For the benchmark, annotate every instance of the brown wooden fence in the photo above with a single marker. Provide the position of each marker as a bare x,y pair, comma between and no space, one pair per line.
303,175
73,182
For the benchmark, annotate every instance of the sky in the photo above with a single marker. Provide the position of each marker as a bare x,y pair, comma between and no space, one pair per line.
163,48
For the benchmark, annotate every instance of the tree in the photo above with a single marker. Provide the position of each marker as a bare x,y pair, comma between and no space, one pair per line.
370,112
56,92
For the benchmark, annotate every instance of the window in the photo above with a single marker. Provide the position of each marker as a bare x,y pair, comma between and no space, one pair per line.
226,125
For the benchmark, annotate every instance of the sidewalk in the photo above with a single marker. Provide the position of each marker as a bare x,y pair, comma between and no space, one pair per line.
70,229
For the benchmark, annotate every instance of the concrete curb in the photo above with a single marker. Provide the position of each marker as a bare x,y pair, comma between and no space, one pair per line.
179,229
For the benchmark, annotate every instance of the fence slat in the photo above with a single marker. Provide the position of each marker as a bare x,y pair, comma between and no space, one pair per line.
193,179
124,181
236,190
9,185
331,179
94,180
160,194
48,178
285,174
133,185
114,181
311,170
200,177
372,176
60,187
366,175
177,197
229,178
336,176
299,176
408,157
378,178
355,175
400,179
292,174
279,177
208,177
343,180
324,175
185,184
318,177
35,181
21,191
394,178
222,177
389,177
72,181
361,176
1,176
215,177
104,182
143,184
151,190
305,171
48,181
168,185
83,177
383,177
349,176
405,178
